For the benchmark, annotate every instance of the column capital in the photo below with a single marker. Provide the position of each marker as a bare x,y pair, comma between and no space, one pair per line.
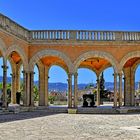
12,74
28,72
70,74
124,78
76,74
115,74
4,67
98,78
120,74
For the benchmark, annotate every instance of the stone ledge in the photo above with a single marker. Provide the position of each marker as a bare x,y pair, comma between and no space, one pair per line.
122,111
72,110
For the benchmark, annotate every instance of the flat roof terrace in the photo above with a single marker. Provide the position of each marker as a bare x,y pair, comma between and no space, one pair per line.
6,24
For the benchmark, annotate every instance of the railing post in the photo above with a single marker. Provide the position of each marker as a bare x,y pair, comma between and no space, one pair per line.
72,35
118,36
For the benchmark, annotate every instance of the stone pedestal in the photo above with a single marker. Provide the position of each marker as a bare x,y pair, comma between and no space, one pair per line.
14,108
72,111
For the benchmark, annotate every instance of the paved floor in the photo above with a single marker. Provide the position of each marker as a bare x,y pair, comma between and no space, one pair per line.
44,126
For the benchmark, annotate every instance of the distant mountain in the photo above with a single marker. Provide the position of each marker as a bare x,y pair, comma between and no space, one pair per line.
63,86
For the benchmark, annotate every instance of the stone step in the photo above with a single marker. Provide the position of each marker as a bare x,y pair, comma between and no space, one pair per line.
97,111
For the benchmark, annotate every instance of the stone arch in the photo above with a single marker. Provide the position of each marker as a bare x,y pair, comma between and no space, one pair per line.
44,53
99,54
127,57
12,65
137,63
39,65
21,52
2,48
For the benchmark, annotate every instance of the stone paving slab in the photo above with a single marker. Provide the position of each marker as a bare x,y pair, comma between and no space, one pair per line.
42,125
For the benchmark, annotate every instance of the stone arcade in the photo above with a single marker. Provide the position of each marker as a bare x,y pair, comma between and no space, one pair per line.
70,49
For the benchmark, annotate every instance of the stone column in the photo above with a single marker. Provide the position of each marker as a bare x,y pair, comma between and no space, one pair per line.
70,90
75,90
124,90
98,91
43,86
46,86
25,91
31,88
28,78
132,96
17,76
13,91
4,83
15,82
28,87
127,72
115,89
120,89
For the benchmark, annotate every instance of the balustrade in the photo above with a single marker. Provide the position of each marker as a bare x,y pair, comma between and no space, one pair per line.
82,35
12,27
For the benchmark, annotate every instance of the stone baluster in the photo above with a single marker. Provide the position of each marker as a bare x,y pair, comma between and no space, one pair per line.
72,35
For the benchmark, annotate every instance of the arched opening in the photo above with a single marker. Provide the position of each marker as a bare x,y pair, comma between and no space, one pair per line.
86,84
15,73
58,87
1,80
130,74
107,87
10,94
137,85
36,94
50,73
20,86
99,63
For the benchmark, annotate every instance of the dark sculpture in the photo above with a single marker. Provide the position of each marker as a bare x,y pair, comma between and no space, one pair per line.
88,98
18,96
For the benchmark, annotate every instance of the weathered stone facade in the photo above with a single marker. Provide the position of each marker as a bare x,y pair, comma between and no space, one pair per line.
96,50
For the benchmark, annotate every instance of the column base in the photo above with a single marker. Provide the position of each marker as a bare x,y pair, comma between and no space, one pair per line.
72,110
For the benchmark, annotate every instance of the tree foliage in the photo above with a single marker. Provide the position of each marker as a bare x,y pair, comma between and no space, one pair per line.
102,87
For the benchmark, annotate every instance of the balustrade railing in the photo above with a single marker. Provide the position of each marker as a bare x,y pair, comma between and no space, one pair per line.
82,35
12,27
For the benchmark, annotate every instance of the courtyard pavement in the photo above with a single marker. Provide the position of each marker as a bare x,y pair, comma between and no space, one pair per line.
45,126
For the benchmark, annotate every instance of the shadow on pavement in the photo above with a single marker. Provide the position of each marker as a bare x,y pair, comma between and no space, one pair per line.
24,116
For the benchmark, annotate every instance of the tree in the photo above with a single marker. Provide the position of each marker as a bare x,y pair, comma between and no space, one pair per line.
102,87
89,86
36,93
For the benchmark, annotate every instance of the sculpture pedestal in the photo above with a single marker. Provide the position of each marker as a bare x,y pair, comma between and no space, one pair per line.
14,108
88,100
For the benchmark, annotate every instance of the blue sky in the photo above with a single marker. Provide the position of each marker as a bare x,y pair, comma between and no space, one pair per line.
75,14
